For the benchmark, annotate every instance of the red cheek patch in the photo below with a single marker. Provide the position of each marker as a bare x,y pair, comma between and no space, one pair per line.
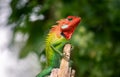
68,33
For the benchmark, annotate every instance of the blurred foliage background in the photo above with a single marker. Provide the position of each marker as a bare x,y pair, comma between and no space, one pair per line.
96,41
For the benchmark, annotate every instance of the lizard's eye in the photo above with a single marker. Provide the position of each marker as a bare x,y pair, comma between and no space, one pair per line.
70,19
64,26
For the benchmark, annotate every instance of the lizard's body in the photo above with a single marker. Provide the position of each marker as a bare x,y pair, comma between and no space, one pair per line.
55,41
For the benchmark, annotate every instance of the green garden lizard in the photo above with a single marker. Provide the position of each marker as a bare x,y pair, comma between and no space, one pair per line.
58,36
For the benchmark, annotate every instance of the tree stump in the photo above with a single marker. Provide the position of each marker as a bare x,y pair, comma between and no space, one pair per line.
64,70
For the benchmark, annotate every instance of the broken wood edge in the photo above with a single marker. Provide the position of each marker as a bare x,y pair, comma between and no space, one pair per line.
64,70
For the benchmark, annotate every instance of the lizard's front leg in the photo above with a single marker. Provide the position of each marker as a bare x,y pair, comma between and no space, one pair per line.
58,45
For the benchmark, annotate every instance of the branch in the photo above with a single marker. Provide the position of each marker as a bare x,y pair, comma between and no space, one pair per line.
64,70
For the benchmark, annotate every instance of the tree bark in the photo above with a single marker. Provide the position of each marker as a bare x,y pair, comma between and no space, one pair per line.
64,70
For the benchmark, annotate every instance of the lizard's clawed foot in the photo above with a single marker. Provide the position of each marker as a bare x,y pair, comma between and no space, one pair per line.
66,57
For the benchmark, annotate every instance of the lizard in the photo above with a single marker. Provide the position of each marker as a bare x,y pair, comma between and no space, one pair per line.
57,37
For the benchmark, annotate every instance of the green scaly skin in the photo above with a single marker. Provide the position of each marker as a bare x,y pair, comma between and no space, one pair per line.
53,53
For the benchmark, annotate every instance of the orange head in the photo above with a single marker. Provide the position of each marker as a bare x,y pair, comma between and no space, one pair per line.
68,25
